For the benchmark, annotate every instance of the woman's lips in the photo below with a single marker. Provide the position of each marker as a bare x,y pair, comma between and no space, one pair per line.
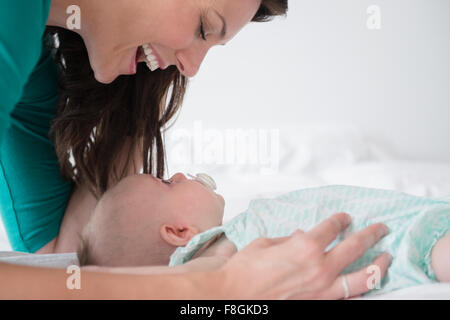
140,57
134,62
162,66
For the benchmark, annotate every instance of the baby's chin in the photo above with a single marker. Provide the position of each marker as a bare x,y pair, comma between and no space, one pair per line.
222,200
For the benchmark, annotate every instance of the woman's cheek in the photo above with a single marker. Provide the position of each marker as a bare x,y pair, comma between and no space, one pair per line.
179,33
176,39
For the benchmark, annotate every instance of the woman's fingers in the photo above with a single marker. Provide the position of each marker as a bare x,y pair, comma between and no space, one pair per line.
352,248
326,231
359,282
275,241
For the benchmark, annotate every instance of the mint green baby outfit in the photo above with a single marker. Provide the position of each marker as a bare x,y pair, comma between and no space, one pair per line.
415,224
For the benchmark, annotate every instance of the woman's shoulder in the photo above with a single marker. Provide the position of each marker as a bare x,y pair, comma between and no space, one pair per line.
22,25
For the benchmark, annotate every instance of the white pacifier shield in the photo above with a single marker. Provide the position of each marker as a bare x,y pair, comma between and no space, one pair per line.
204,179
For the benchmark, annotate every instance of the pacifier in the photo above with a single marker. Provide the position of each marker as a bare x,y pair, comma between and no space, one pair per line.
204,179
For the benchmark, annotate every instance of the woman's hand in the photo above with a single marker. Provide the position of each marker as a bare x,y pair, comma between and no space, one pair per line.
297,267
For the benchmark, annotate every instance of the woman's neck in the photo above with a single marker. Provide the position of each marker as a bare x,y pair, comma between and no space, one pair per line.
59,15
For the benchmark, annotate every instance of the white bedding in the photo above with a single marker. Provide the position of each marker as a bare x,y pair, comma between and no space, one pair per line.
316,156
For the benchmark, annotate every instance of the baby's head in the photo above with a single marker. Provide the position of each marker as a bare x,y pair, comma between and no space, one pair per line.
142,220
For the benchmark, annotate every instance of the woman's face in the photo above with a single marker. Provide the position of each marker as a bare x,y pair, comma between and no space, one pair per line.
170,27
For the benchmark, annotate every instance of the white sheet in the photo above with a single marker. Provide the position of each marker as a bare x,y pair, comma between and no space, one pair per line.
437,291
4,244
60,260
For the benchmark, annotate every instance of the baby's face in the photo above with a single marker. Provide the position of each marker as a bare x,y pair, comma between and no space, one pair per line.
190,199
176,200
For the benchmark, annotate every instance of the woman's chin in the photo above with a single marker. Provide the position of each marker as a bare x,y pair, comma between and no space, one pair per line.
104,78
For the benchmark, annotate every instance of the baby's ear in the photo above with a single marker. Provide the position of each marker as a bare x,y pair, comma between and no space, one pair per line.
177,236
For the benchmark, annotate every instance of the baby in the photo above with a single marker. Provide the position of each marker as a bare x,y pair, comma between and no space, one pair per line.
142,220
147,221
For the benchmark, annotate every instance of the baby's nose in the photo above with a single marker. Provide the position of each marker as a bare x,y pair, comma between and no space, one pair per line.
177,177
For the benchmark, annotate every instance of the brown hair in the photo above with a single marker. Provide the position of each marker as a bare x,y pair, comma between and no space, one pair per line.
95,121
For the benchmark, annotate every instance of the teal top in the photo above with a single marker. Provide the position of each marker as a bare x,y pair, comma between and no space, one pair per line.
33,196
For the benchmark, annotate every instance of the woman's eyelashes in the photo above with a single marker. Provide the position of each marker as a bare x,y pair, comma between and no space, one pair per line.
202,30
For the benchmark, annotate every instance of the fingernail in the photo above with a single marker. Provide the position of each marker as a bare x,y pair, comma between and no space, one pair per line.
348,219
383,231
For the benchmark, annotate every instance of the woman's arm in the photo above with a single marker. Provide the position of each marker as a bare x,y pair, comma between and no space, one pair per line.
294,267
200,264
19,282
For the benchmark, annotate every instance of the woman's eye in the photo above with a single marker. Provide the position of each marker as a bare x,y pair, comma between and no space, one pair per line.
202,31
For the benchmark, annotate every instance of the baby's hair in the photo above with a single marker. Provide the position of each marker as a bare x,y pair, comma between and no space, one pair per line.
109,251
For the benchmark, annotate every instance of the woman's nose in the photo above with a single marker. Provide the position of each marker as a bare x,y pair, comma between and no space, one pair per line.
189,61
177,177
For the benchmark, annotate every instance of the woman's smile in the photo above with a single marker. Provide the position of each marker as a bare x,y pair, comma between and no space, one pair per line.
134,62
146,53
180,34
152,58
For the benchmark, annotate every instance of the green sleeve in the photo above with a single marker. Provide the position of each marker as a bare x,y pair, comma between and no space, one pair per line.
22,24
33,196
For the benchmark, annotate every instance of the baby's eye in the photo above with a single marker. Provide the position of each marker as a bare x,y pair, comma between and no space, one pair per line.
167,181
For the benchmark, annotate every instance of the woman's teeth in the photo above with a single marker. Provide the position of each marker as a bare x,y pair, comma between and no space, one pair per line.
152,62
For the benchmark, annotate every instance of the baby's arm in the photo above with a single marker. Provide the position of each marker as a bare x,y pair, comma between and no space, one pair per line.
440,259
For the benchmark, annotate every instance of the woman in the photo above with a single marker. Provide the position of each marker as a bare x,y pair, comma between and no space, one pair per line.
108,110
